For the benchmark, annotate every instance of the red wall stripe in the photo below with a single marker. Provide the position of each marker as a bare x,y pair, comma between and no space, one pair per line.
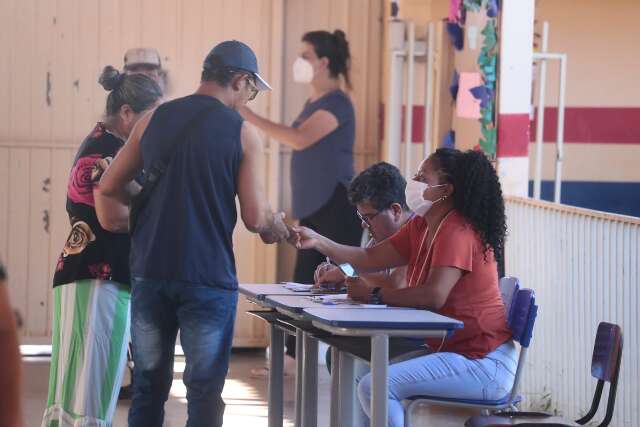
601,125
417,128
513,135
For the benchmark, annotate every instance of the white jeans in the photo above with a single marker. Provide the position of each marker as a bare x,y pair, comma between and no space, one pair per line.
445,375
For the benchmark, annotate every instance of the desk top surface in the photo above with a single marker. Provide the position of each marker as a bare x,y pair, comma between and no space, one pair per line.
260,290
382,318
297,303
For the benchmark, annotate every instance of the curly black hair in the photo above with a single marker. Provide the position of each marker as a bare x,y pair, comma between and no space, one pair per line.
381,185
477,194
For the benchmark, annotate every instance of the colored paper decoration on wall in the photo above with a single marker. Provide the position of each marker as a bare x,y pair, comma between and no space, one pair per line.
472,36
484,94
474,92
457,34
487,62
473,5
454,10
453,88
449,140
467,106
492,8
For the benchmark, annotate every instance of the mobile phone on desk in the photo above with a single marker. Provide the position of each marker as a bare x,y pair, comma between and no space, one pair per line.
347,269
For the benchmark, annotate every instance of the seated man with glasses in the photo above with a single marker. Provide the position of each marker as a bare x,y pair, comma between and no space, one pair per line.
378,193
379,196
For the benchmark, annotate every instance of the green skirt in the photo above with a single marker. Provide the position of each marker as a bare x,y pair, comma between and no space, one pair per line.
89,350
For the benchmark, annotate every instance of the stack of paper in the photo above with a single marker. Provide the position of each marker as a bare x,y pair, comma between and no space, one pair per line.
297,287
343,299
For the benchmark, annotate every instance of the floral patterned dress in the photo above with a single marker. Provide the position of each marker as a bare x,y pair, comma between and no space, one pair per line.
91,252
91,315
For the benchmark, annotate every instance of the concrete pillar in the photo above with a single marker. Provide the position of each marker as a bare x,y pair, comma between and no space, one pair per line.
516,58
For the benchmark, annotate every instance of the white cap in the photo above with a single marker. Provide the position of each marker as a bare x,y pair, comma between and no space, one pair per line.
142,56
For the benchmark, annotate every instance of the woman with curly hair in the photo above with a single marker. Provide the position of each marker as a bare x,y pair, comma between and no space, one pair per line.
91,281
451,248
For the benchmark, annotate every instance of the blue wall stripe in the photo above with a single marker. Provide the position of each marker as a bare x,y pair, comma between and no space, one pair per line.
615,197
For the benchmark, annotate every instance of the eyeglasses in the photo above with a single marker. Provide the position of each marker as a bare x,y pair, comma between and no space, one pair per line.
252,87
366,218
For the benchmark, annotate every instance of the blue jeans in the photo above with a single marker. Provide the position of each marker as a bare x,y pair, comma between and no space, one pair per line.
205,318
445,375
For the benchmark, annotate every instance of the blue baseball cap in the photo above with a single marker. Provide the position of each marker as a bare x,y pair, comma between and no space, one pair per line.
235,55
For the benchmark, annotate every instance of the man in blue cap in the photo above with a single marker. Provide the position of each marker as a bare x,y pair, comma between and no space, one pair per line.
197,154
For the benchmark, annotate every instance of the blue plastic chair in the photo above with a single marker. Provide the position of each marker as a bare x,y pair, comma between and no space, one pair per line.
521,309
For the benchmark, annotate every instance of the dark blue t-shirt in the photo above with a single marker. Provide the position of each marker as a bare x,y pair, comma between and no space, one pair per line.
318,169
184,233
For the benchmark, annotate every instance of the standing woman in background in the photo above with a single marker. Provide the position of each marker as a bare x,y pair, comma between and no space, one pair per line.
322,139
91,282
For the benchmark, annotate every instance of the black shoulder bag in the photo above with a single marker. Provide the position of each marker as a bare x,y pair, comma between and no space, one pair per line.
158,168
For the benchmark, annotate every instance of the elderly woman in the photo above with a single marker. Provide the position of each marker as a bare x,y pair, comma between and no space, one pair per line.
91,281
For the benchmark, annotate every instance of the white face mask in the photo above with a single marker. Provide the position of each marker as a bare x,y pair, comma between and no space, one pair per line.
415,200
302,71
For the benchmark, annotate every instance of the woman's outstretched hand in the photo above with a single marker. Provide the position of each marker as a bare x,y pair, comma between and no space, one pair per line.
305,238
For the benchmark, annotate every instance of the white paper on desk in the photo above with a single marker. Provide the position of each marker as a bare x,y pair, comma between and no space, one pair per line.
297,287
332,297
343,299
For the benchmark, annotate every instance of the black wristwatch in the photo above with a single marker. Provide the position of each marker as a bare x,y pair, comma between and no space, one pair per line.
375,297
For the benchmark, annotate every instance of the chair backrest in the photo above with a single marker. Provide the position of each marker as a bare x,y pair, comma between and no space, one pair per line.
606,350
508,288
521,320
605,366
523,316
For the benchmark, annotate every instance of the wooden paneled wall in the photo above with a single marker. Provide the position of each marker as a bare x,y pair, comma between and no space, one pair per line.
51,53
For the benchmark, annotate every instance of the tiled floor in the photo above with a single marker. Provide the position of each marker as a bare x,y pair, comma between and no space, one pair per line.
245,397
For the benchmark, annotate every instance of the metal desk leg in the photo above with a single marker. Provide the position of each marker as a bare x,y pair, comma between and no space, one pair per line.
351,412
276,372
299,377
310,382
348,396
380,392
334,409
360,369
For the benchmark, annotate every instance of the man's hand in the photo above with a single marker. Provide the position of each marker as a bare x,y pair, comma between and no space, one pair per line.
278,231
358,290
328,273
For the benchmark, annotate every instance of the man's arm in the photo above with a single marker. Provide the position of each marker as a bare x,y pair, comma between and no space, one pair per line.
116,189
255,210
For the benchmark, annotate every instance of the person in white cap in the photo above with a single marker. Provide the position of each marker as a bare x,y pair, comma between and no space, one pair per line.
198,154
144,60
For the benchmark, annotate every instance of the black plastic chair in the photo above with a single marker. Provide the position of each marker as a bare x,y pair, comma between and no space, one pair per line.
605,366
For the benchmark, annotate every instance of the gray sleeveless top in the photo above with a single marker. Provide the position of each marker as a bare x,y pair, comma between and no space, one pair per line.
318,169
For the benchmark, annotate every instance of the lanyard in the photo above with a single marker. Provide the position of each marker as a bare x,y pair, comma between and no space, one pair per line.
426,259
